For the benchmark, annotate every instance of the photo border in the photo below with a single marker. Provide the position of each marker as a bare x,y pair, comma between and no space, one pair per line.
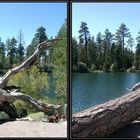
68,62
91,1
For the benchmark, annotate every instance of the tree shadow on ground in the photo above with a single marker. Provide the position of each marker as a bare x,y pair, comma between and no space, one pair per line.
6,120
130,131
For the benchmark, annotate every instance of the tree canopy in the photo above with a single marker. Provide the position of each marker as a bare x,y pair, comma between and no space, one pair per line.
107,52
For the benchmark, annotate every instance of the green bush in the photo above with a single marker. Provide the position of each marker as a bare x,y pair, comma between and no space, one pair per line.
31,81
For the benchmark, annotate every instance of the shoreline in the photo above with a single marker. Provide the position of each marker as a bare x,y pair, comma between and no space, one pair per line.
100,71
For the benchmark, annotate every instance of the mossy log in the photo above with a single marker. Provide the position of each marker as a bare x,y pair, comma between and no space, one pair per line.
104,119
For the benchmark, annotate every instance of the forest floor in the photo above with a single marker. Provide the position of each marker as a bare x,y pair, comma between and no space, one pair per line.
32,129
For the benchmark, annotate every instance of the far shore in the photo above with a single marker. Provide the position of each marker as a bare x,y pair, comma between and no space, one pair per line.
101,71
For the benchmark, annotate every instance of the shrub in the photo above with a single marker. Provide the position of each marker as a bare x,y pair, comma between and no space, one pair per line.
31,81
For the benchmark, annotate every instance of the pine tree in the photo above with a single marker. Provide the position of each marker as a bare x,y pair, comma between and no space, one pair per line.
60,64
39,37
121,34
74,53
83,38
99,51
11,50
2,53
137,53
108,38
92,53
20,49
130,42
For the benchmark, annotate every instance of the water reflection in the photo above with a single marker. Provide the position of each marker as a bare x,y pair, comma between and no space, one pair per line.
51,90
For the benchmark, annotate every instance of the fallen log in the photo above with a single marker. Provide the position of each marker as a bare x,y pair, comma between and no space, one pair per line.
14,95
7,97
104,119
135,87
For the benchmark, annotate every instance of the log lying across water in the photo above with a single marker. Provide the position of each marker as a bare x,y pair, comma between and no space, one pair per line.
104,119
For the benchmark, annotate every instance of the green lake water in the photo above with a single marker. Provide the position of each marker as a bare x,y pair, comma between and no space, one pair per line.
90,89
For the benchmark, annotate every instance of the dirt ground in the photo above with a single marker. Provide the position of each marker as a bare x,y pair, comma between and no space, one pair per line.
45,129
32,129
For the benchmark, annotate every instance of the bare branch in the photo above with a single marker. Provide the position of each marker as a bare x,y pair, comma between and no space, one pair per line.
30,61
14,95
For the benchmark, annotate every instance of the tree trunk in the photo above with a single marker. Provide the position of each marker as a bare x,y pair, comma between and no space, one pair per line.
123,52
6,98
14,95
29,62
104,119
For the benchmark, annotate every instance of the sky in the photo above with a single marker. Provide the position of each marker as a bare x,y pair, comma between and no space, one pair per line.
30,16
100,16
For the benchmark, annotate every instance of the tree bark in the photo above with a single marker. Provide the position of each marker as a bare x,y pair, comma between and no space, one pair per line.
104,119
135,87
14,95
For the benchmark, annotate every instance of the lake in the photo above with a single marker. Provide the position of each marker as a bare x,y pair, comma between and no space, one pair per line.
50,91
90,89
